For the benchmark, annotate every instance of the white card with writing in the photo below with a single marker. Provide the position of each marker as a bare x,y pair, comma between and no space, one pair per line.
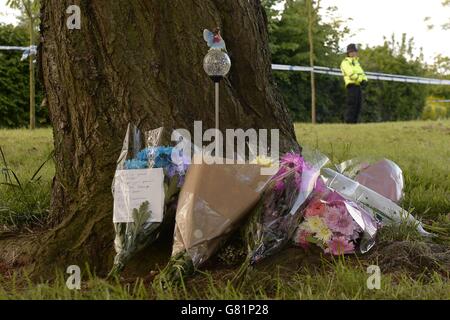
134,187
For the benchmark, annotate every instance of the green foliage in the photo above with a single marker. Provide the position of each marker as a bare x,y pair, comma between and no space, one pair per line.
383,101
441,67
289,45
393,101
14,82
29,10
132,237
30,6
435,110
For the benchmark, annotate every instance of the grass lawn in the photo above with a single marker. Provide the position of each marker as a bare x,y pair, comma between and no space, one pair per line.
25,152
422,149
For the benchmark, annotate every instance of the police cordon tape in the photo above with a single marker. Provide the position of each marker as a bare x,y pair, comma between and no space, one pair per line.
13,48
370,75
280,67
26,51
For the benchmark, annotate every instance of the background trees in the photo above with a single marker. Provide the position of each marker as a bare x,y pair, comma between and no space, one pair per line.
29,18
394,101
14,82
288,32
289,45
384,101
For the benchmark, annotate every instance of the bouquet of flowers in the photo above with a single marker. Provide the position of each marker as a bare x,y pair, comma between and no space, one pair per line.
375,187
277,215
213,201
147,180
336,225
386,211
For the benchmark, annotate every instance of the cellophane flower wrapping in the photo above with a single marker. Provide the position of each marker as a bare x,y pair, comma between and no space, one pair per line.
335,224
143,154
385,211
214,200
276,217
383,176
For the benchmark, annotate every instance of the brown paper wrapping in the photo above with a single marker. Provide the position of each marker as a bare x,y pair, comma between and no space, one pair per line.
213,200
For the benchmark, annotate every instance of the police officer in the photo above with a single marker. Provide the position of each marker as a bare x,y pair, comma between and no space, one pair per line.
354,78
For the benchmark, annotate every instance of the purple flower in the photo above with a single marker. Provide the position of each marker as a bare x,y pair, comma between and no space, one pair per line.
171,170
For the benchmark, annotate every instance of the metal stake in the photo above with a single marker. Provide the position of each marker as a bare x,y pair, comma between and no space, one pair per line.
217,118
217,105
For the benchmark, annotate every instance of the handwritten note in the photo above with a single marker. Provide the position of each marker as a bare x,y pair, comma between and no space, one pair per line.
134,187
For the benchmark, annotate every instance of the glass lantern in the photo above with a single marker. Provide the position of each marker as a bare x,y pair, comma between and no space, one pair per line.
217,64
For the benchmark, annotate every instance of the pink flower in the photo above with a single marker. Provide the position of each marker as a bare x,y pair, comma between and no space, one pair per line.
339,246
301,238
320,186
290,161
293,161
339,220
315,208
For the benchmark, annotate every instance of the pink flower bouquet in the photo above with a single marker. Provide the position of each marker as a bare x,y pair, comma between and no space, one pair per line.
279,211
335,224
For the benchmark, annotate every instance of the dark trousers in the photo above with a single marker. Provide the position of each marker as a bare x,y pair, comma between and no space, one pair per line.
354,103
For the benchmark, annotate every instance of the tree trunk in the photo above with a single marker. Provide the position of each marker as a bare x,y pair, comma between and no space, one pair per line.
139,61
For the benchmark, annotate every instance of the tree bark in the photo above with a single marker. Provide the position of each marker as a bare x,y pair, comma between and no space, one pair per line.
139,61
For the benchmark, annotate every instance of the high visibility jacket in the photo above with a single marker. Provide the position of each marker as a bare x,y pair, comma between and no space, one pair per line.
352,71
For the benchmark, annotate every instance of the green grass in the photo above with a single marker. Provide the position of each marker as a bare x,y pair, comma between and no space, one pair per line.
336,280
26,150
422,149
26,203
